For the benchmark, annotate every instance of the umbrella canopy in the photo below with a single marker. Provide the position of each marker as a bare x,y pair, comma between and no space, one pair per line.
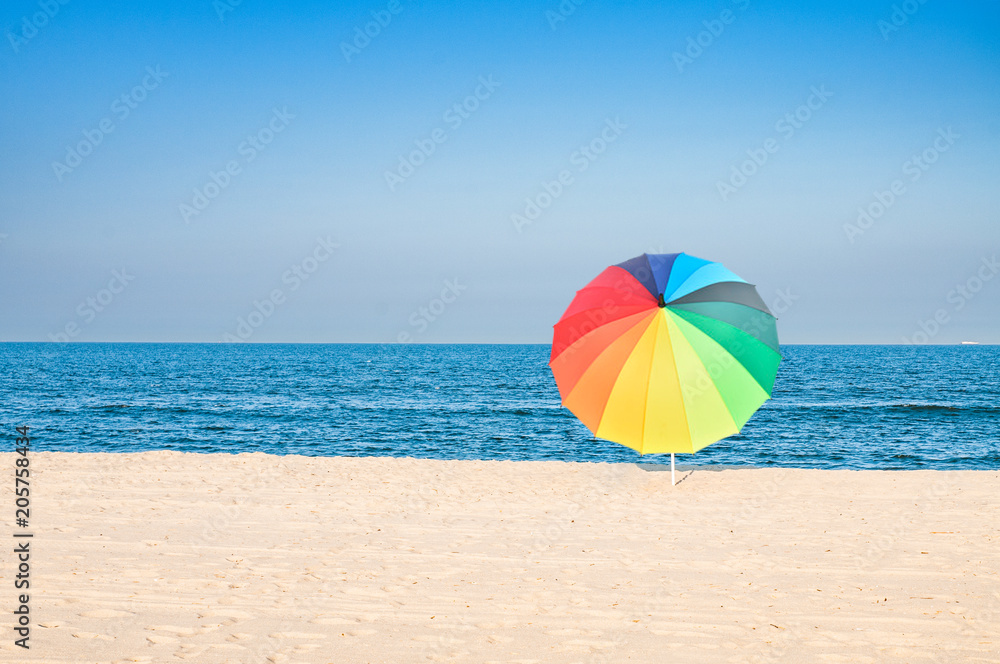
665,353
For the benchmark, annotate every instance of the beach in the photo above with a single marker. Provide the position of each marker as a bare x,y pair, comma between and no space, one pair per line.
168,556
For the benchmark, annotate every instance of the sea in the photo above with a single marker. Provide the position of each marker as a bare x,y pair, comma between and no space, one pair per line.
833,407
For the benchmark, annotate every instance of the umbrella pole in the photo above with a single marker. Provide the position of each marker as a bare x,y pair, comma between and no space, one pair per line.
673,477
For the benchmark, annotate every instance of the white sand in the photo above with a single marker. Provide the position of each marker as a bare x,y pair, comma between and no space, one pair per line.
163,557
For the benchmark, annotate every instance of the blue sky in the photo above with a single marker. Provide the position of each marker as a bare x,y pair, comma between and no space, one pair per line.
653,116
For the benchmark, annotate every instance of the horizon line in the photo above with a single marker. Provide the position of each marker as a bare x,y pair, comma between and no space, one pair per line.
433,343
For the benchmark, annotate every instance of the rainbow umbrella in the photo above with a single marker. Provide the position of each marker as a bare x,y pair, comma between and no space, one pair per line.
665,353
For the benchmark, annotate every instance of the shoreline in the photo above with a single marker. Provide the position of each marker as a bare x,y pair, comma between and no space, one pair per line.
649,466
170,556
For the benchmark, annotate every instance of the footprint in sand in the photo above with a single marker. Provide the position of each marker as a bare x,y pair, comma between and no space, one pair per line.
573,632
188,651
453,656
427,638
332,621
91,635
105,613
156,639
585,645
362,632
171,629
300,635
229,616
497,625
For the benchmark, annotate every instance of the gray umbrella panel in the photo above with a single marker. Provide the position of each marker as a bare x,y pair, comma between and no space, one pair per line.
738,292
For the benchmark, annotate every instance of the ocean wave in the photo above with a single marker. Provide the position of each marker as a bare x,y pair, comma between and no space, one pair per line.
931,407
889,406
458,409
